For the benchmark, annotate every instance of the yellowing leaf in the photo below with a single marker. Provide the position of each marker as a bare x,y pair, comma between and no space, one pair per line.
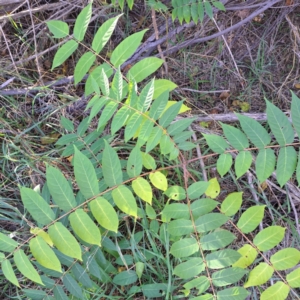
44,235
182,110
213,189
50,139
159,180
143,189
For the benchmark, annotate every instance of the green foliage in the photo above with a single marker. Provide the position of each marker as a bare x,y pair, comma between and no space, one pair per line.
83,244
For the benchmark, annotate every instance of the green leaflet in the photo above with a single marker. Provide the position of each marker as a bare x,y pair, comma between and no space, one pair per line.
154,138
132,125
125,278
251,218
201,283
190,268
180,227
236,138
228,276
107,113
170,114
184,247
64,241
7,244
126,48
72,286
120,119
269,237
63,53
259,275
83,65
105,214
66,123
146,97
81,275
265,164
232,204
84,227
44,254
249,254
143,189
125,201
25,267
280,125
224,163
216,240
144,68
293,278
9,273
286,165
222,258
175,192
111,166
234,293
176,211
295,112
197,189
104,33
210,221
37,206
134,163
59,29
216,143
117,85
285,259
82,22
242,163
60,189
163,85
85,175
277,291
159,105
257,134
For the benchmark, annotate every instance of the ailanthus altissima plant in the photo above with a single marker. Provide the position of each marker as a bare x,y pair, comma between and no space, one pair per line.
84,233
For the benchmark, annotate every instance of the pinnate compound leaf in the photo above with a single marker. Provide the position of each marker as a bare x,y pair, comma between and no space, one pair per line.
104,33
232,204
222,258
285,259
216,143
280,125
143,189
295,112
37,206
63,53
7,244
234,293
184,247
197,189
83,65
278,291
190,268
210,221
293,278
242,163
105,214
269,237
213,189
82,22
224,163
9,273
176,211
180,227
125,278
251,218
25,267
228,276
265,164
216,240
144,68
72,286
259,275
159,180
59,29
249,254
126,48
60,189
111,166
257,134
64,241
85,175
134,163
236,138
125,200
286,165
175,192
84,227
43,254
